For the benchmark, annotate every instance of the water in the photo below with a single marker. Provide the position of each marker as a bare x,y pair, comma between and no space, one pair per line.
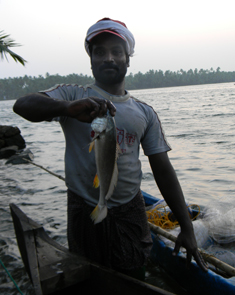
199,125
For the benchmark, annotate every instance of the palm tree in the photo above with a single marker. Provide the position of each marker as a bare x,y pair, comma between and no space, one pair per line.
5,43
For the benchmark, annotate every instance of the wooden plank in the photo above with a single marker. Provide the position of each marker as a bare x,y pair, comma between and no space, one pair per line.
61,275
58,267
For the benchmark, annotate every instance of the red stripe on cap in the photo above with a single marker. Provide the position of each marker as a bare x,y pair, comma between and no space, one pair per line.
108,31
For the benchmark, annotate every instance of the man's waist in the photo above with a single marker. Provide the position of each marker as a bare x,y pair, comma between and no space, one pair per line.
116,200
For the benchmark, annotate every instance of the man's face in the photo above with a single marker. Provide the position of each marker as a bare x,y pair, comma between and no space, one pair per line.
108,59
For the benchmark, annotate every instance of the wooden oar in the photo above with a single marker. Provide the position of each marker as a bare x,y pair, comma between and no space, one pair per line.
228,269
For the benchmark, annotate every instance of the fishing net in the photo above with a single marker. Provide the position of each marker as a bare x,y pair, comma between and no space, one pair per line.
214,229
220,220
161,215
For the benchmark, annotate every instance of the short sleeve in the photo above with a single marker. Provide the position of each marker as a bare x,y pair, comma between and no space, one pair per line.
154,140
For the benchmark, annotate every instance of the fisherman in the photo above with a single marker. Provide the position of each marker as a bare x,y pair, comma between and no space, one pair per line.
122,240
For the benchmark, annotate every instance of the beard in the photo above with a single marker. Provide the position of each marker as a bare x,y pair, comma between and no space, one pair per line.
109,74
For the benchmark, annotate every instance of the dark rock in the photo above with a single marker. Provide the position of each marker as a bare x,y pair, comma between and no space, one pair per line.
7,152
2,143
19,158
8,131
16,140
11,131
10,135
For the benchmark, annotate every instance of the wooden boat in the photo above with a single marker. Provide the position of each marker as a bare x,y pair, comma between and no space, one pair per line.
54,270
193,280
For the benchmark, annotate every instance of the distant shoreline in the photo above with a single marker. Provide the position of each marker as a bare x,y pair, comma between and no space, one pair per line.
12,88
149,88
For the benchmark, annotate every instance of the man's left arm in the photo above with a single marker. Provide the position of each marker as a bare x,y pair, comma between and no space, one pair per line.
170,189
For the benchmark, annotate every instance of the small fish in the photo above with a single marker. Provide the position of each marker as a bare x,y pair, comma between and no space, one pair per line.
106,154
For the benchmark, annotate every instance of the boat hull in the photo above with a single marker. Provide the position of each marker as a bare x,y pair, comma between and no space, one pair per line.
52,269
193,280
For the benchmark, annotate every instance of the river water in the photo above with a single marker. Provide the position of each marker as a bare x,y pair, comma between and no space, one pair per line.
199,123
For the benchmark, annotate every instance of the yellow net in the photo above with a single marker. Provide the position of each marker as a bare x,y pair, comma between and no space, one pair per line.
161,216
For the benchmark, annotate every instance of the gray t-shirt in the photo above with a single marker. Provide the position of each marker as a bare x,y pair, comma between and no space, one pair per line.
136,123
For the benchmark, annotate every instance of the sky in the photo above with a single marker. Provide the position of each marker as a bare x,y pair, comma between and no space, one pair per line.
170,35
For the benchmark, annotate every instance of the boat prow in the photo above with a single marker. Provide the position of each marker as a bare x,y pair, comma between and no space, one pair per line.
54,270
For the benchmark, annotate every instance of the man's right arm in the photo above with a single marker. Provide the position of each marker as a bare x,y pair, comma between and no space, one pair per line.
38,107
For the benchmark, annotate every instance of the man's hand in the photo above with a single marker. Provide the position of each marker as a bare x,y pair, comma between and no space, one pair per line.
85,110
188,241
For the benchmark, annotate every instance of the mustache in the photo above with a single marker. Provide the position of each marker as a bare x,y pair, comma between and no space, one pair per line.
108,67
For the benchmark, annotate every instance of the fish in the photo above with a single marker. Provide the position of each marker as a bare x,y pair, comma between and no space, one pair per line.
107,151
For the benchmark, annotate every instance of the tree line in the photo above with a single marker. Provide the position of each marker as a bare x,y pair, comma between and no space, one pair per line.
12,88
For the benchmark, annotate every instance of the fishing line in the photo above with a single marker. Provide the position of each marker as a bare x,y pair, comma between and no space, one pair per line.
10,277
39,166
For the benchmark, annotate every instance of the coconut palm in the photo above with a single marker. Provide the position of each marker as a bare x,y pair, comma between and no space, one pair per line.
5,44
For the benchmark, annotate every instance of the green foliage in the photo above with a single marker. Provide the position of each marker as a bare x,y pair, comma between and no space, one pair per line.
5,44
156,79
13,88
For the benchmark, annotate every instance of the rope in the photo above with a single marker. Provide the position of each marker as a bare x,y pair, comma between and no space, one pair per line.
162,217
11,277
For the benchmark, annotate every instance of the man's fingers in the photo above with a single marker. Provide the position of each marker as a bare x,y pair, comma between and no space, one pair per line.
200,261
95,106
177,248
103,108
87,109
195,253
197,256
189,259
104,105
